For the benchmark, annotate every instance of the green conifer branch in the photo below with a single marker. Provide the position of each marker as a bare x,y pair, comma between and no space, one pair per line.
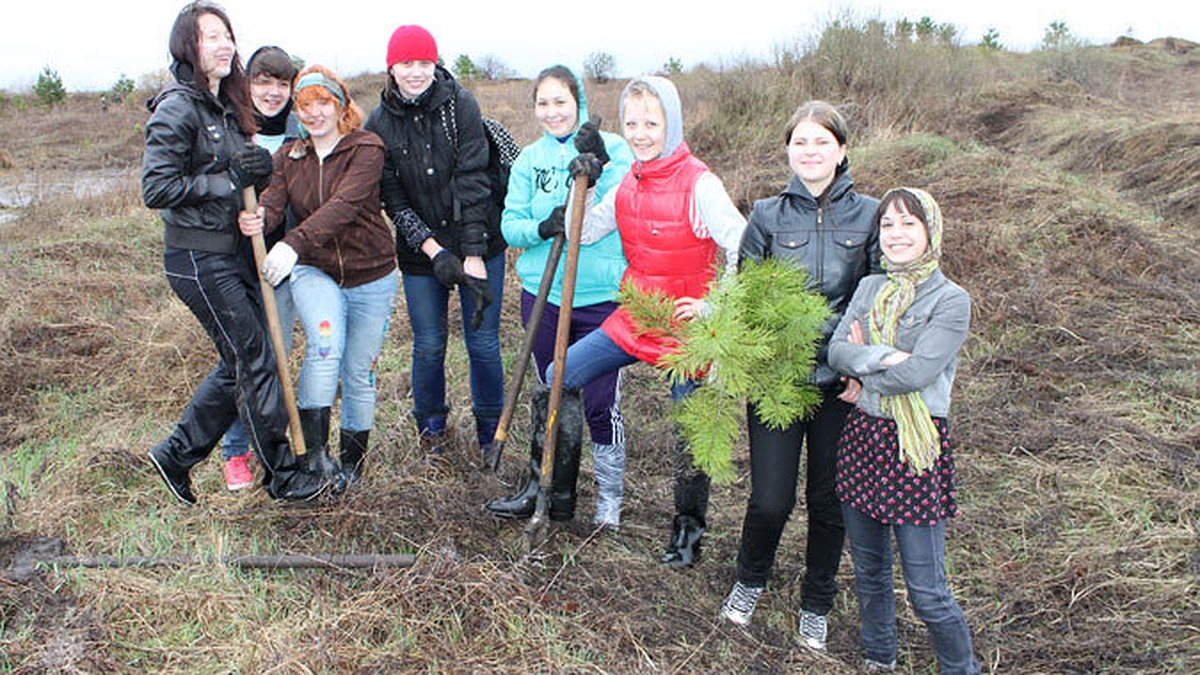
758,343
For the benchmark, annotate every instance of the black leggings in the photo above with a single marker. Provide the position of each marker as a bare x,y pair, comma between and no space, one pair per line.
774,472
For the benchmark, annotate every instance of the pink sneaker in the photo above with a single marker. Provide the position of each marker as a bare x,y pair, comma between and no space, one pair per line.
237,472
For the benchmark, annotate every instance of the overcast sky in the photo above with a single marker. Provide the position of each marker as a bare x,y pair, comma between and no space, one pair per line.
90,44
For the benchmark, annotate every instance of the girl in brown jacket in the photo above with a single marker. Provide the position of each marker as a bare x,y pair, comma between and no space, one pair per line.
340,258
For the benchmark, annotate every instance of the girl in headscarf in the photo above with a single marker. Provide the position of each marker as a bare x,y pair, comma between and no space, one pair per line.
900,338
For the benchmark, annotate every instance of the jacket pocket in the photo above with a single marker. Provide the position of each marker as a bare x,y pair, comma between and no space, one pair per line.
790,244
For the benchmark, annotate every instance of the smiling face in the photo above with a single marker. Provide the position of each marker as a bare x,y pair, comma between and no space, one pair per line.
902,236
555,108
814,154
645,127
413,77
269,94
320,117
215,48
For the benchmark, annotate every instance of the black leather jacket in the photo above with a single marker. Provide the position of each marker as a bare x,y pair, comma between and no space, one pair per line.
835,238
185,172
435,180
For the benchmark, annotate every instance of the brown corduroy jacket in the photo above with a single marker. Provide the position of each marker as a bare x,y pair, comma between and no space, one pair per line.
339,220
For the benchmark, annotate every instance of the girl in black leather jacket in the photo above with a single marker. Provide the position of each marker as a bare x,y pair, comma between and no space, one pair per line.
197,161
822,224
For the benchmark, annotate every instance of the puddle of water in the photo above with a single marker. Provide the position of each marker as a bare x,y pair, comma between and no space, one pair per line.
30,188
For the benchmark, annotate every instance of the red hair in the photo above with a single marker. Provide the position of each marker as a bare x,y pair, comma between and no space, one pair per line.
350,116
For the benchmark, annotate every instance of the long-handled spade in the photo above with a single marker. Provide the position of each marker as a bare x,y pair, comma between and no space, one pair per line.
535,530
276,331
492,461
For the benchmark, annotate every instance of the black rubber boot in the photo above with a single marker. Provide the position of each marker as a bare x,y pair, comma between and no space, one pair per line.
522,503
292,481
566,460
684,549
314,423
692,488
567,453
353,449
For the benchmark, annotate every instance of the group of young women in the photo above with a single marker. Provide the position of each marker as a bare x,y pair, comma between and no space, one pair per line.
880,462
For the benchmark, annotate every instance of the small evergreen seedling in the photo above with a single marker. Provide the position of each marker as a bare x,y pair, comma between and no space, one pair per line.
757,342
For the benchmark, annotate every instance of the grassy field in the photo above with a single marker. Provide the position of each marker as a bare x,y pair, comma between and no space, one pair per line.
1070,183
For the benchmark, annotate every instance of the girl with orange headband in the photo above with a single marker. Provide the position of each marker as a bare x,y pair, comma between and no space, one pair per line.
340,260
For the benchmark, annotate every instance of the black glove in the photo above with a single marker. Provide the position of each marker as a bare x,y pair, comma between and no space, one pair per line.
481,296
589,140
447,268
554,224
251,167
586,163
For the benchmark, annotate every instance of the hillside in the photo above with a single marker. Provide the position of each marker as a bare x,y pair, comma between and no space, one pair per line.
1070,189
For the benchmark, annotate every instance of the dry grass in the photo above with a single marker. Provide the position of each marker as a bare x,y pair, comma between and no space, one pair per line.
1071,219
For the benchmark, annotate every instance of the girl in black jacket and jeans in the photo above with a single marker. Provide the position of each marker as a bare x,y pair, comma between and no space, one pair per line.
437,192
197,161
822,224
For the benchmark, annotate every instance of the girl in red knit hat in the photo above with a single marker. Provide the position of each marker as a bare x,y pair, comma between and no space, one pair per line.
436,191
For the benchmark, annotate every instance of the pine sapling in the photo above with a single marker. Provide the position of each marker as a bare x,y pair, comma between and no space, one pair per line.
756,342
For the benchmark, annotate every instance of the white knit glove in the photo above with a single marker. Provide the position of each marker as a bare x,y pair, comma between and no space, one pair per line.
279,263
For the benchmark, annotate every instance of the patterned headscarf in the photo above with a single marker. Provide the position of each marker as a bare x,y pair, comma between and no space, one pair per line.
920,444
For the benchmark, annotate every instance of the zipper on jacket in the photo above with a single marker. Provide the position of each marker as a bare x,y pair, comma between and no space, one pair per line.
820,246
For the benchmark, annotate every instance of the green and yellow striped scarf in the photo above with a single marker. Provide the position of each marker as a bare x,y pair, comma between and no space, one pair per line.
920,444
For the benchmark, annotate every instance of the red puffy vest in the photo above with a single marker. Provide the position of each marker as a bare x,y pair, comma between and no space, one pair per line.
653,208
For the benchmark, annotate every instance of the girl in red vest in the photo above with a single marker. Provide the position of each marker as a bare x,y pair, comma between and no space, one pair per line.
673,215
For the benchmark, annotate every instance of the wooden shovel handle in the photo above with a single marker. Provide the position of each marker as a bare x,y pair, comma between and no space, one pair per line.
276,331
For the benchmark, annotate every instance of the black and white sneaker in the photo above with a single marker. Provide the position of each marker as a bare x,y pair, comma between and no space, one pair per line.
813,630
740,604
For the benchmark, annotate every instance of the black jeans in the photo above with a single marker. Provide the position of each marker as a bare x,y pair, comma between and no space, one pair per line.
223,295
774,472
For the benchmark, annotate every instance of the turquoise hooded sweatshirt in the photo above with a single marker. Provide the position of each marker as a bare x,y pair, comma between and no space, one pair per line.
539,182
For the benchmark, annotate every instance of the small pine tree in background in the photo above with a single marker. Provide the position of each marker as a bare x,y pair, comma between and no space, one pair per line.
122,89
757,343
49,88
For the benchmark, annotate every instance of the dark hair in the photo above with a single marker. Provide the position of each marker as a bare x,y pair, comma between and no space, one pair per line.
184,44
823,114
562,74
909,203
272,61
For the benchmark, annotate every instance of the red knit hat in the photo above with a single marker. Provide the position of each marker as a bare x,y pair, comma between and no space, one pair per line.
411,43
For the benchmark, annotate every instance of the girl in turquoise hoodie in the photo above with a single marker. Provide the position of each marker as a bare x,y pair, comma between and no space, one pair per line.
533,213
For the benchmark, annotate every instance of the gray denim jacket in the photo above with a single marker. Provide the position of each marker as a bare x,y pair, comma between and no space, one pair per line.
932,330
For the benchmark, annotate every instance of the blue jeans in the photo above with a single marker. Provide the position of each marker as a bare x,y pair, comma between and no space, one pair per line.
344,330
428,301
923,560
595,355
235,442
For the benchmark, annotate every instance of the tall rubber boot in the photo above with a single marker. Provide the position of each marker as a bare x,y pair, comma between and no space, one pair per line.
609,464
523,502
567,453
353,449
314,424
692,488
